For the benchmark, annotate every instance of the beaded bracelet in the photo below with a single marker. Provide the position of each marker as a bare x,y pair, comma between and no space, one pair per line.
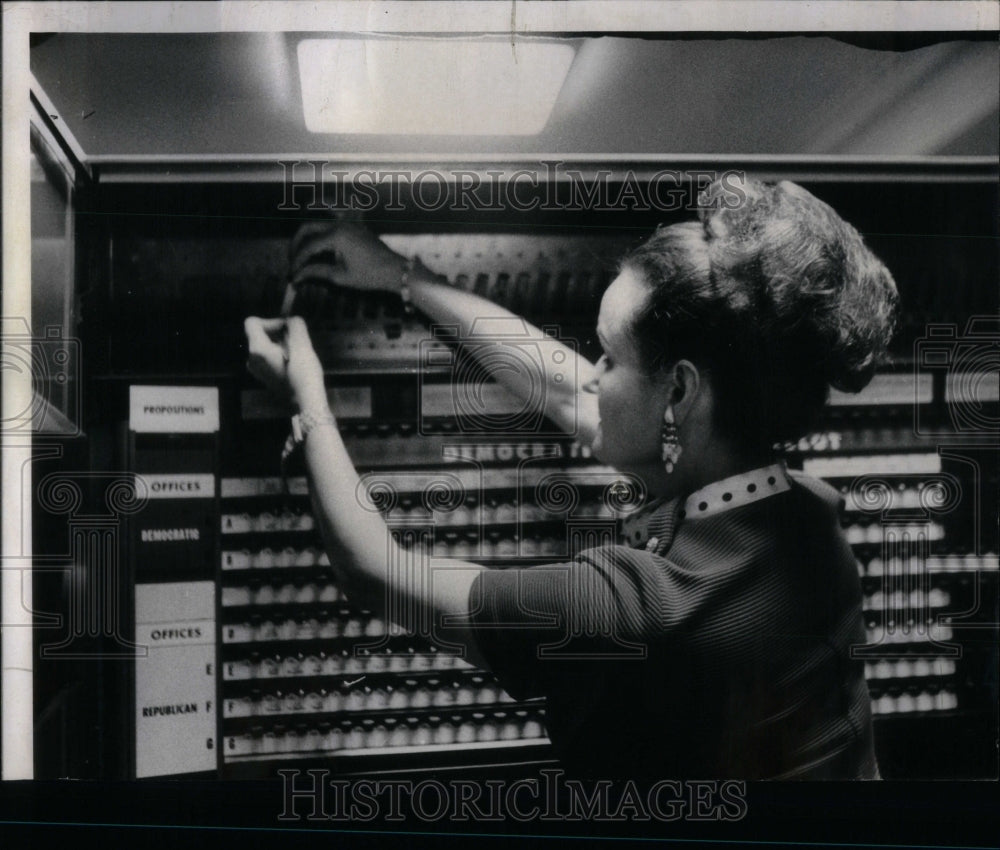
302,424
413,264
404,285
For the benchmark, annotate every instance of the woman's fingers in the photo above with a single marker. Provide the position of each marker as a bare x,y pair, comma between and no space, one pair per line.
281,338
267,357
261,333
309,240
318,237
360,259
326,273
300,346
268,326
314,240
281,355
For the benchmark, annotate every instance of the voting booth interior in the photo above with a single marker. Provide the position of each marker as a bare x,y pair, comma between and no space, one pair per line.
197,628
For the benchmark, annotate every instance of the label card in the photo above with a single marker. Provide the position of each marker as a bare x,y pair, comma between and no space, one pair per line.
175,728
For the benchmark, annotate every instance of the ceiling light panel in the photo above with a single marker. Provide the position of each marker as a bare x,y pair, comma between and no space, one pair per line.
430,86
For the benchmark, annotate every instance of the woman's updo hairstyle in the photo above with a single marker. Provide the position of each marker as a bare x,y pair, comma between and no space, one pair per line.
775,295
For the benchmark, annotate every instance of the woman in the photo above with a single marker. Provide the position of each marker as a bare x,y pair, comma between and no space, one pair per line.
716,640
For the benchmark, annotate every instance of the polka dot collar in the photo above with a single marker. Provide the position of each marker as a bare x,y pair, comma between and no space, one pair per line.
736,491
653,526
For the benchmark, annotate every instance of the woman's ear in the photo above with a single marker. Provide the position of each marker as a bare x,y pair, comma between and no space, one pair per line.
686,382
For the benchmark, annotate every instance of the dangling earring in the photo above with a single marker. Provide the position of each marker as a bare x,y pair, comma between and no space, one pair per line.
668,438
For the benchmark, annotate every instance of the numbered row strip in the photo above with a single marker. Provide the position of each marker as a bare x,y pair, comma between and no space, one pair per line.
471,481
915,600
408,694
309,557
930,565
490,546
411,734
908,703
850,466
912,632
875,533
906,668
462,515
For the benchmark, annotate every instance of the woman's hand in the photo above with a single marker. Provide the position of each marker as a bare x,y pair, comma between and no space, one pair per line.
281,356
361,259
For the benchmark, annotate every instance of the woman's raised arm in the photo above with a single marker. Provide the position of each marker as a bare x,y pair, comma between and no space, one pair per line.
363,262
425,596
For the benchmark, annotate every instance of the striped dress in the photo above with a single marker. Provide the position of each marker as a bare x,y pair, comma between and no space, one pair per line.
702,647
